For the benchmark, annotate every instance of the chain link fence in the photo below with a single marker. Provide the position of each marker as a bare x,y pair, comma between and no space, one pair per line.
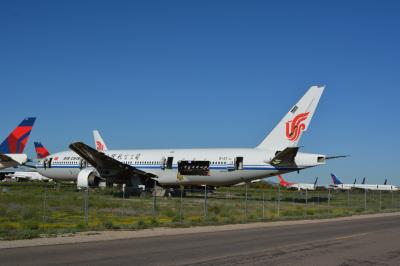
30,210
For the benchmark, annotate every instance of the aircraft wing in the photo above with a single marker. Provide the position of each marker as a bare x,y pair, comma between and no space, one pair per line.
109,168
285,158
5,158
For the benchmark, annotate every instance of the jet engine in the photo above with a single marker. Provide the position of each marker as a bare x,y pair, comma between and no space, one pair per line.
88,177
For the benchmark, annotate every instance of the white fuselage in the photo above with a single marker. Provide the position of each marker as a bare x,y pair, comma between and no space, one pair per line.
227,166
33,176
377,187
302,186
343,186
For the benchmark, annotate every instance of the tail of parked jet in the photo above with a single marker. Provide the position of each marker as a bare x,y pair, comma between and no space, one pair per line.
336,180
98,141
385,183
363,182
41,151
283,182
315,182
355,181
289,130
16,141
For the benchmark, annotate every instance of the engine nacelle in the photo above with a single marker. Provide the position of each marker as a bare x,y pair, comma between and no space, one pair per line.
88,177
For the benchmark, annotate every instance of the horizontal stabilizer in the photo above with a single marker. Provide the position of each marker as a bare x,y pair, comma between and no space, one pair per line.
285,158
336,157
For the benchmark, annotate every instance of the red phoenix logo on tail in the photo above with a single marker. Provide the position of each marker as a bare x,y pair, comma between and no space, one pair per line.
99,146
295,126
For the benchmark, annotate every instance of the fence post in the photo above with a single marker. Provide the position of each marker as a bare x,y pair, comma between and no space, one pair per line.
365,199
180,206
205,202
245,201
329,200
44,205
154,199
86,206
279,200
391,192
263,205
305,209
123,199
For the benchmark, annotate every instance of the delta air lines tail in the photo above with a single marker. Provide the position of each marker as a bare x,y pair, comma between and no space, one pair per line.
41,151
16,141
12,148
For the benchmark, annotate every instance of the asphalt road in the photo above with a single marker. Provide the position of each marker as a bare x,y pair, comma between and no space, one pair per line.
372,241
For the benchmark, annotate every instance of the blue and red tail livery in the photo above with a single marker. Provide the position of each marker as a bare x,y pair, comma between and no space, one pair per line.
41,151
16,141
336,180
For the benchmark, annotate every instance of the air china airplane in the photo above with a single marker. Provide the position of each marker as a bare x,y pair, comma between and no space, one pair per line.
277,154
12,148
297,186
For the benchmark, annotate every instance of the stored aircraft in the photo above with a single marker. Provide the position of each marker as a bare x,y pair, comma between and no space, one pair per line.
384,187
297,186
12,148
338,183
277,154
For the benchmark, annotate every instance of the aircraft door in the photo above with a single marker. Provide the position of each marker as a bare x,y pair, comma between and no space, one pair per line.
239,163
82,163
170,161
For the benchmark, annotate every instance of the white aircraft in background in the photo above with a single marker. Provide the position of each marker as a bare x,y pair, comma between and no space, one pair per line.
297,186
338,184
276,154
12,148
26,176
383,187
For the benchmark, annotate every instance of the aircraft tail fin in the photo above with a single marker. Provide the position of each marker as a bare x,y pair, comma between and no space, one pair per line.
315,182
282,181
355,181
289,130
363,182
16,141
385,182
98,141
41,151
336,180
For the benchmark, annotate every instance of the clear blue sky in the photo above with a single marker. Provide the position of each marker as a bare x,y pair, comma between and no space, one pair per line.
157,74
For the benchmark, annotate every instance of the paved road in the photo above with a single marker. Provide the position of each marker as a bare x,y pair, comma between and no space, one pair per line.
372,241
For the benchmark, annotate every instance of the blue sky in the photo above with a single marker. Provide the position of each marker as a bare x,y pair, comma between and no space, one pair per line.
156,74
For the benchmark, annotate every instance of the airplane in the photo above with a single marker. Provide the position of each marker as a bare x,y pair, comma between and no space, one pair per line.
41,151
378,187
12,148
277,154
297,186
338,184
26,176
